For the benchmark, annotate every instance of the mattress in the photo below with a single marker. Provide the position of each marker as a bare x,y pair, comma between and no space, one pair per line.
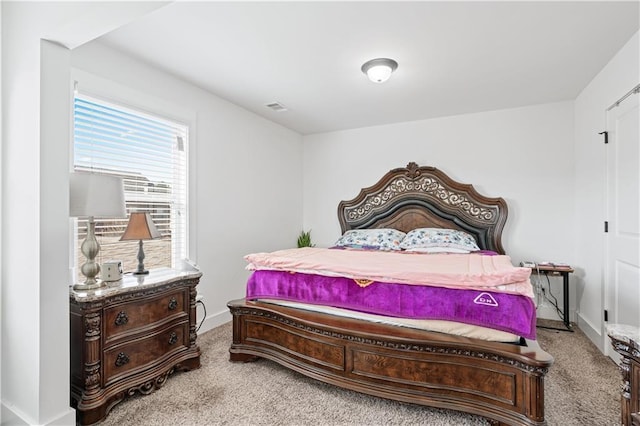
448,327
416,290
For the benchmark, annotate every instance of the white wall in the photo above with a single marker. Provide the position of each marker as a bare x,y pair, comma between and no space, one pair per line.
35,134
246,192
619,76
1,236
241,187
524,155
55,104
35,352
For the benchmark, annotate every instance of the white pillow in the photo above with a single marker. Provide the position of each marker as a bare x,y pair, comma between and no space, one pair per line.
438,237
437,250
377,239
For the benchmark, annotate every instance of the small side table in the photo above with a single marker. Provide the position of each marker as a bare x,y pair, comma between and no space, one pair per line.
625,340
564,271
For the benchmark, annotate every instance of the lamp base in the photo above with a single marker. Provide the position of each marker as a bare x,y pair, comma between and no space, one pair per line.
145,272
90,269
88,286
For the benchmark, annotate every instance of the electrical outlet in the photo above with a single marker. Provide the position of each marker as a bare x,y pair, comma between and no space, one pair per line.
199,297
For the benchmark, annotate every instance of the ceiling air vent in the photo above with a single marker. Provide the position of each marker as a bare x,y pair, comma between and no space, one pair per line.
276,106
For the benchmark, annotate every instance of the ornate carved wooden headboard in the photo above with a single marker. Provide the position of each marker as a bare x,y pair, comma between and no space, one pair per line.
424,197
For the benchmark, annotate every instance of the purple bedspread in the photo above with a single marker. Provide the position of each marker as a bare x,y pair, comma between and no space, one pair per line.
501,311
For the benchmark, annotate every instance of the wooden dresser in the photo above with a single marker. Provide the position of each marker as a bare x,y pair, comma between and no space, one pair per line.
625,340
129,338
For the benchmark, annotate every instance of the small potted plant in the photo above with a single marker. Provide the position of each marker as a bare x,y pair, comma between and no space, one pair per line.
304,239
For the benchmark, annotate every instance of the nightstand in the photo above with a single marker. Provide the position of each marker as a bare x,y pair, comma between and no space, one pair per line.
129,338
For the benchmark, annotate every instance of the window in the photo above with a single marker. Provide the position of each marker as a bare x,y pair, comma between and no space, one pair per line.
150,154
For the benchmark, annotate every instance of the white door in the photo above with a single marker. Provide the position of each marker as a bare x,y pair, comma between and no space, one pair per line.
622,259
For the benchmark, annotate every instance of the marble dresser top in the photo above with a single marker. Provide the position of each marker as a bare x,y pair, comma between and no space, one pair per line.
129,283
625,333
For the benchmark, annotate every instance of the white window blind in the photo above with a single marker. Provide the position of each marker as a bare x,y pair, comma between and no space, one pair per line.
150,154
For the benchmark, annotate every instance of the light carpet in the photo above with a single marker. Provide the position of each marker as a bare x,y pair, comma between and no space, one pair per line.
581,388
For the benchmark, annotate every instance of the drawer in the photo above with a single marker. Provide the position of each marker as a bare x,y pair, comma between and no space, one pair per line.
125,317
140,354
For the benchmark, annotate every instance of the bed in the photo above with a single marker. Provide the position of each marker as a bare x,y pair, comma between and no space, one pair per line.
500,380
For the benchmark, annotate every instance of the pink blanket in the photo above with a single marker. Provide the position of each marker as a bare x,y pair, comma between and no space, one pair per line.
471,271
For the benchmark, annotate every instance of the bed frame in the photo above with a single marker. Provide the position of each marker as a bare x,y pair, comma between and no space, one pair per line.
503,382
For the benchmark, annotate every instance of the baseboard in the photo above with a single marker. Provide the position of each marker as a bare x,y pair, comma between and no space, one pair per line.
67,418
591,332
214,320
11,416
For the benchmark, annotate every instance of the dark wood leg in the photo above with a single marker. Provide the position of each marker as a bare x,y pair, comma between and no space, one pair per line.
189,364
565,300
242,357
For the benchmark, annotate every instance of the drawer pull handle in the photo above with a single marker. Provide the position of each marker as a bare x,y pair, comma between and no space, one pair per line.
122,359
122,318
173,338
173,304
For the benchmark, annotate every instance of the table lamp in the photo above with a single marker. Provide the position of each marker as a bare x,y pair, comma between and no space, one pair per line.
94,195
140,227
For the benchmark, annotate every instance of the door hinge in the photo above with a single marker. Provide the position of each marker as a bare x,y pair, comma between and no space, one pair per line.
606,315
606,226
606,136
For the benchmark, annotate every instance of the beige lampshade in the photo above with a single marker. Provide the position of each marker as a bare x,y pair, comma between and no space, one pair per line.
140,227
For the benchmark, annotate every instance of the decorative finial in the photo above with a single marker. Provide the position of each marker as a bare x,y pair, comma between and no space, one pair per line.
413,171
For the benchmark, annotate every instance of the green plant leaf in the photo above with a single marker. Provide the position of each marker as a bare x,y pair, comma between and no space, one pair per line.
304,239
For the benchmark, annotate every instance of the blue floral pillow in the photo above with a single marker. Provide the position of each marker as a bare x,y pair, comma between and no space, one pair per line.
376,239
423,238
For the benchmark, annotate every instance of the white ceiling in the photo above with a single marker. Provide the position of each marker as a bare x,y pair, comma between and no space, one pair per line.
454,57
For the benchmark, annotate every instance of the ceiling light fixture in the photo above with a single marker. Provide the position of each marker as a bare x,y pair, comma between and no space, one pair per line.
379,70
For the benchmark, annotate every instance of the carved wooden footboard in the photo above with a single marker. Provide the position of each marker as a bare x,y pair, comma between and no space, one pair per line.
501,381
